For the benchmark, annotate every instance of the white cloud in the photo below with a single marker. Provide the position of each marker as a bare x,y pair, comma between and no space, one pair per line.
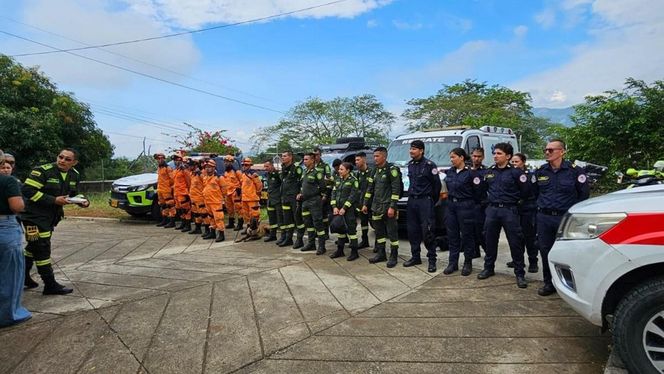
520,31
401,25
462,25
194,14
91,22
627,43
546,18
372,23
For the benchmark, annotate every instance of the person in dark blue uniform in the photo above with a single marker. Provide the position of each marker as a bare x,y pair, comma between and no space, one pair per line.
423,192
477,157
527,215
560,184
463,193
506,186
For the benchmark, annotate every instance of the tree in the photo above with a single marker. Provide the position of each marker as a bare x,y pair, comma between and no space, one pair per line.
611,128
198,140
475,105
37,120
316,121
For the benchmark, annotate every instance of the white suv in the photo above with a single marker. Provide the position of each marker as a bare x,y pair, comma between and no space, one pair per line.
609,266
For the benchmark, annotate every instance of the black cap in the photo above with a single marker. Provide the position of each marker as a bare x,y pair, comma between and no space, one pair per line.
417,144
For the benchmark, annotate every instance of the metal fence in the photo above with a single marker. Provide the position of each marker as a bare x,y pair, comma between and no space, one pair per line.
95,186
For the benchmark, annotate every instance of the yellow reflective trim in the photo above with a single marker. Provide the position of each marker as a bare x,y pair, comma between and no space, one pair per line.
320,233
43,262
367,195
333,202
394,243
306,213
38,195
300,226
395,197
311,229
33,183
270,209
286,207
364,227
46,234
381,240
27,254
341,236
375,218
352,236
274,226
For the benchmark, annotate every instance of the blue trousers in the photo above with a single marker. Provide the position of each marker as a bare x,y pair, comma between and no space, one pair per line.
420,222
508,219
480,216
12,272
460,225
547,227
528,218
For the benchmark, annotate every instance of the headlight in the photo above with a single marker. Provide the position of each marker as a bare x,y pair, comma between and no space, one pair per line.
138,188
588,226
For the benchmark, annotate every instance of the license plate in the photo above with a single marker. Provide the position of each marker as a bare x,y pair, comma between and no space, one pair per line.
114,203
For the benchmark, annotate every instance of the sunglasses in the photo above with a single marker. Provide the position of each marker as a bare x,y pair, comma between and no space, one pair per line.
68,159
551,150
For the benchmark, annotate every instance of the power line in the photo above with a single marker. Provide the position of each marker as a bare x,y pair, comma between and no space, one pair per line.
107,113
164,126
148,75
186,32
139,61
135,136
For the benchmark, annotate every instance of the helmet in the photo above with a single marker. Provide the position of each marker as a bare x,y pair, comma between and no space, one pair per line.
229,158
247,161
159,154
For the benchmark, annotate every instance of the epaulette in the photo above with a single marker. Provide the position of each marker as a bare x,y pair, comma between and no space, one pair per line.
46,166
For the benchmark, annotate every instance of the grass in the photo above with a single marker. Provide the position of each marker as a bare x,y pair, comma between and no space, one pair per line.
98,207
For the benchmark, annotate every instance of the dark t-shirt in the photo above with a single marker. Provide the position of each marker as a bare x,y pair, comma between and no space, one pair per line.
9,187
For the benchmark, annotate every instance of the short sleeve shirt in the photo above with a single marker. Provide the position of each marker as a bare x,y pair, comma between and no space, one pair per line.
9,187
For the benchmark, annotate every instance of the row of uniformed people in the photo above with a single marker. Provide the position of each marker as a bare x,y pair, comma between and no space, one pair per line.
528,206
194,193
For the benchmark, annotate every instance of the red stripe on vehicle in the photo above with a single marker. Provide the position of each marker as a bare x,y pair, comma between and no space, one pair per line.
637,228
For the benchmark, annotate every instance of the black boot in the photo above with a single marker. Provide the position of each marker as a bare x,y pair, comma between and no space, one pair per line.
311,242
375,247
380,255
340,249
211,234
51,287
164,221
170,224
206,228
197,230
220,237
272,237
394,255
353,254
321,246
288,238
299,242
240,224
231,223
29,282
181,220
413,261
365,240
187,226
282,238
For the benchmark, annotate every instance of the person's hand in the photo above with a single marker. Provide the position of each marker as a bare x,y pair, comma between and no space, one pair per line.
335,211
365,210
61,200
323,199
299,197
342,211
390,212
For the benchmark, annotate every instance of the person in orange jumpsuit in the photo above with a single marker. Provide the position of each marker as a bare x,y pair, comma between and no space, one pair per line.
252,185
165,191
232,184
213,193
181,184
198,211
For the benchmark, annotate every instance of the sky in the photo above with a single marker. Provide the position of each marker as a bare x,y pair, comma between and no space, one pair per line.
254,65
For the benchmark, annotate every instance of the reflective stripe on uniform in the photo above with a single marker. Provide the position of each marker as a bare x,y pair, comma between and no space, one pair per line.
46,234
300,226
377,218
352,237
27,254
43,262
320,233
348,204
38,195
395,197
381,240
33,183
286,207
271,209
305,213
311,229
396,243
341,236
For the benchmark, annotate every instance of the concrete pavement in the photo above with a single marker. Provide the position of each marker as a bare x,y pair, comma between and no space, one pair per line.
151,300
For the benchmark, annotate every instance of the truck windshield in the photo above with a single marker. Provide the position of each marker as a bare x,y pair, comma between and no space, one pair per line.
436,148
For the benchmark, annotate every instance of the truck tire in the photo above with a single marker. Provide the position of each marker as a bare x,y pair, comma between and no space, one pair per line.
638,328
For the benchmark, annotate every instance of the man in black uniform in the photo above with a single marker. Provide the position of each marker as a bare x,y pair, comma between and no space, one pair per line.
291,179
325,168
560,184
46,189
423,192
312,194
364,175
382,196
275,213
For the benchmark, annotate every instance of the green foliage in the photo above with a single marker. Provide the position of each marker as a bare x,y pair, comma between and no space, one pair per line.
614,127
111,169
316,121
475,105
37,120
198,140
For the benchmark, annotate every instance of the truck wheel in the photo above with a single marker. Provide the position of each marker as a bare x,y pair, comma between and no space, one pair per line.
638,328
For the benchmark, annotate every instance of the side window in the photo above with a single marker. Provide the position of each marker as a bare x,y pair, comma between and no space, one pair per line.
471,143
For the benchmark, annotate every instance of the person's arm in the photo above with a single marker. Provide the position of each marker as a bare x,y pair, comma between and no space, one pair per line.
16,204
523,182
14,197
33,189
582,185
395,184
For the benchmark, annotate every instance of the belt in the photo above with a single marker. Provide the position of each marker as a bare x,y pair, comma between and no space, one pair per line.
551,212
416,197
457,200
503,205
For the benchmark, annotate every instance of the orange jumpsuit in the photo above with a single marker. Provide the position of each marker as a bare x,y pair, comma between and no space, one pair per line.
252,185
232,183
165,191
181,183
198,210
213,193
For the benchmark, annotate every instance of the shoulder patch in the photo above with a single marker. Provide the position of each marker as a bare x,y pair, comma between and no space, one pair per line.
523,178
319,175
47,166
395,172
36,173
476,180
533,179
434,171
582,178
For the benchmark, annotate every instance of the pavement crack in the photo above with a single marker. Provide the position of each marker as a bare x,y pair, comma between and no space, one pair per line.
258,327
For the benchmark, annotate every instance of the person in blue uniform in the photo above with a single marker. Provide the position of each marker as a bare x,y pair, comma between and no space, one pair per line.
560,184
506,186
527,215
463,192
477,158
423,193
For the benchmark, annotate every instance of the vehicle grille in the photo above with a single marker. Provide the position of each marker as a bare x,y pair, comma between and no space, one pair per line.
118,195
